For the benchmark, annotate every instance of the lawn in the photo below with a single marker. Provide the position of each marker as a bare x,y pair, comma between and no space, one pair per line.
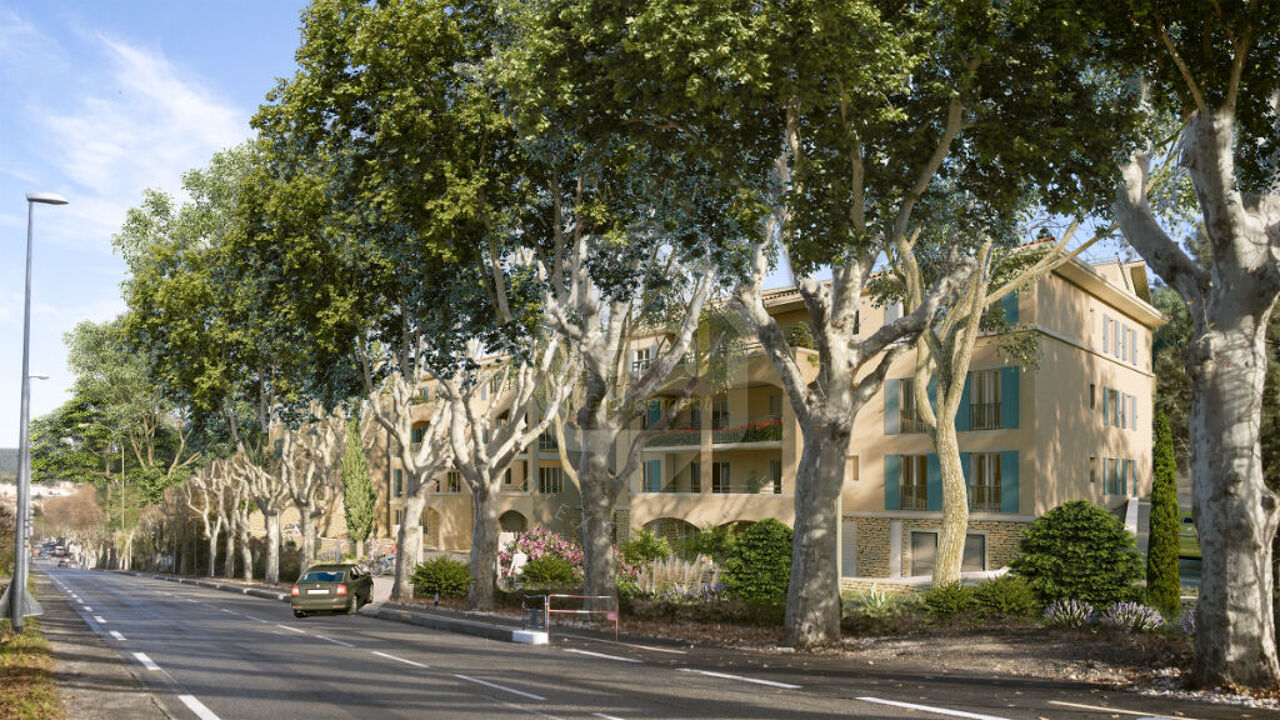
1188,544
27,691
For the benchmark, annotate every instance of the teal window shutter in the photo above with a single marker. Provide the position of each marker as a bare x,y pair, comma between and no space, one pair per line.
1106,405
1010,305
891,407
962,412
1009,481
933,499
1009,397
655,412
892,474
652,482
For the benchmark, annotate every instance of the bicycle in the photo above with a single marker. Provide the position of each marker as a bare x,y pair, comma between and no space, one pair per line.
383,564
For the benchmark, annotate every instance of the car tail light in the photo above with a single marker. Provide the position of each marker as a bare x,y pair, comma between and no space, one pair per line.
342,589
294,591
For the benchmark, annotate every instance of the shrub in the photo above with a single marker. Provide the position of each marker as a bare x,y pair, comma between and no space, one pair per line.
759,565
1132,616
442,575
684,576
1007,595
1078,550
1068,613
947,601
548,570
536,543
1163,583
874,603
713,541
1188,623
645,547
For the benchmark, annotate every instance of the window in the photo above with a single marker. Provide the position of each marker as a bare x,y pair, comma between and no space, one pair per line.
1124,342
396,516
509,481
641,359
984,482
452,482
1093,468
775,406
1093,390
397,482
721,478
924,550
775,473
913,493
547,441
1122,419
719,412
892,312
653,476
984,400
1133,412
416,434
550,480
695,477
908,417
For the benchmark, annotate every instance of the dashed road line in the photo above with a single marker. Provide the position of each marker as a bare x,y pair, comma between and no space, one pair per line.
291,629
930,708
634,645
757,681
503,688
87,608
116,634
397,658
99,619
335,641
1118,711
602,716
254,617
147,662
229,612
619,658
198,708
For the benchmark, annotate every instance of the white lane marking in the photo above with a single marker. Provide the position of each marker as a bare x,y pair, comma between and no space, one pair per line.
291,629
602,716
99,619
615,642
116,634
198,708
147,662
602,655
496,686
87,608
229,612
524,709
251,617
757,681
389,656
1118,711
336,642
928,708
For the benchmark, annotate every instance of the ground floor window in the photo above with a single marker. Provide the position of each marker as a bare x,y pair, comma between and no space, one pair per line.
924,551
914,489
550,480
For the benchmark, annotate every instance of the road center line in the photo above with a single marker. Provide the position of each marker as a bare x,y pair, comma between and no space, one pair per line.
602,716
87,608
619,658
116,634
147,662
198,708
336,642
1104,708
291,629
727,676
99,619
251,617
503,688
397,658
928,708
229,612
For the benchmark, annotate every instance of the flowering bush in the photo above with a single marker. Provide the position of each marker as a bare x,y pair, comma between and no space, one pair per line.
703,592
1068,613
1189,621
1132,616
536,543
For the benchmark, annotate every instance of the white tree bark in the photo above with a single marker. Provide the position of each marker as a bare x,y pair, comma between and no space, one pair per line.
310,473
1230,304
267,489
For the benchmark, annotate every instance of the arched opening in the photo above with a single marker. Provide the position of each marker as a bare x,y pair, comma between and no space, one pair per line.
512,521
674,530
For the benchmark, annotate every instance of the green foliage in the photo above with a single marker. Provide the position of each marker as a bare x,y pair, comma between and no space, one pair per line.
1079,551
644,546
874,603
944,602
758,568
358,494
1163,582
442,575
800,335
548,571
1005,596
713,541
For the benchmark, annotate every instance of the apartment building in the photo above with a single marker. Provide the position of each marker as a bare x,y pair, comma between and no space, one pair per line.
1077,426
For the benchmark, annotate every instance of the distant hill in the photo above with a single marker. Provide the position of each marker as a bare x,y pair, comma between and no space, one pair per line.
9,462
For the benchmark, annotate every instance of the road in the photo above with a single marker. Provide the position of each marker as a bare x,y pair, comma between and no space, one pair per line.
207,654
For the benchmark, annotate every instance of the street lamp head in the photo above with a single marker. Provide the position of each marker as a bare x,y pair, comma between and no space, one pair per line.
46,198
38,377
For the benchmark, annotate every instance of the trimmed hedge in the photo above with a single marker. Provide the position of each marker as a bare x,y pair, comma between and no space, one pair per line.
1080,551
441,575
758,568
548,570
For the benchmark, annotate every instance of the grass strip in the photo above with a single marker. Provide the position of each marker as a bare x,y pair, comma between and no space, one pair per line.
27,690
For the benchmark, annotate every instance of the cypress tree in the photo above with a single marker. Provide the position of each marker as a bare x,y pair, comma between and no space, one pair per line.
1163,584
358,495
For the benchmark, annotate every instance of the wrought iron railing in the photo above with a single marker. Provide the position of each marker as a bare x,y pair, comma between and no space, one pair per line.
984,416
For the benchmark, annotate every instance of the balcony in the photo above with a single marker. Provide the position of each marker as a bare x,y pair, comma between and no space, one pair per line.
759,430
984,416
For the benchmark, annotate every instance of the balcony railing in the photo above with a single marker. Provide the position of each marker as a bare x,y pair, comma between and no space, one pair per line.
766,429
913,497
910,422
984,416
984,498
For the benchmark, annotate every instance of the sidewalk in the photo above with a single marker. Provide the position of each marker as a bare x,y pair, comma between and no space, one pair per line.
92,680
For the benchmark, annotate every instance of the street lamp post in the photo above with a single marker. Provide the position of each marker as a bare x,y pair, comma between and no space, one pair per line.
20,603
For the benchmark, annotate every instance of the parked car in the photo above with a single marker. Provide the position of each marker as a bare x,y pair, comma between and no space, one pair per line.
291,530
333,587
63,562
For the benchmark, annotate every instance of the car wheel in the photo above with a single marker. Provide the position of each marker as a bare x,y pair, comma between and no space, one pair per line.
299,613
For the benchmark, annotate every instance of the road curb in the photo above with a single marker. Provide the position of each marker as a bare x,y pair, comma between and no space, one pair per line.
435,622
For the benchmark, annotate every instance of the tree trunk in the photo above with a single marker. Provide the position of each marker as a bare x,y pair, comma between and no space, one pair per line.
813,596
1235,513
246,552
229,543
304,526
484,549
600,573
213,554
409,546
272,574
955,507
185,545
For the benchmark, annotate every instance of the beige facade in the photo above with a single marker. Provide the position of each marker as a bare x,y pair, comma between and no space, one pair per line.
1077,426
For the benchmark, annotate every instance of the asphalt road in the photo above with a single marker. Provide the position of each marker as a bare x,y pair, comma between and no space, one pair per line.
208,654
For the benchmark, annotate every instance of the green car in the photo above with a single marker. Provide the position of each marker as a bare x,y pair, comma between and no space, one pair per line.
333,587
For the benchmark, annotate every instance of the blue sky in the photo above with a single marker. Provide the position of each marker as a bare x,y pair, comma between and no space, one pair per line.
99,101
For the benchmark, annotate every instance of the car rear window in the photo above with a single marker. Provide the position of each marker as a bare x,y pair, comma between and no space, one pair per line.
322,576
